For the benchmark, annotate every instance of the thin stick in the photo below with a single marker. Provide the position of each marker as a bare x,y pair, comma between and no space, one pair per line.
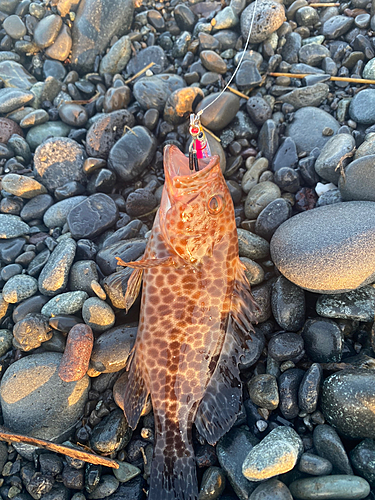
237,92
333,78
58,448
140,73
318,4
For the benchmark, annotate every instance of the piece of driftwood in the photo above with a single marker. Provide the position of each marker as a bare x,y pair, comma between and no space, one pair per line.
364,81
140,72
58,448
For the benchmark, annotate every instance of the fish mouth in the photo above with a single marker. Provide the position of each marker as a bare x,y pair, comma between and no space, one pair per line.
177,171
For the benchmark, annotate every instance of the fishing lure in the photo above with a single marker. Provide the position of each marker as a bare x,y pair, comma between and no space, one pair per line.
195,322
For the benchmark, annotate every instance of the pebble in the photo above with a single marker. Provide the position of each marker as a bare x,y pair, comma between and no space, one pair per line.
98,314
358,181
6,339
56,215
288,305
54,276
180,103
232,450
20,185
14,98
313,54
108,484
289,382
259,197
305,137
152,92
314,465
36,117
213,484
7,129
308,262
39,134
65,303
259,110
309,389
12,226
14,74
95,24
263,391
126,250
111,434
117,57
340,487
14,27
36,402
276,454
47,30
60,50
19,287
337,26
269,17
133,153
73,114
355,305
144,57
285,346
286,155
101,212
273,489
221,113
31,331
252,246
213,62
126,472
362,457
322,340
331,155
361,109
347,399
106,131
328,445
82,274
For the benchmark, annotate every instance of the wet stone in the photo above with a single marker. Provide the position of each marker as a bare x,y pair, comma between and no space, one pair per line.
328,445
47,30
140,202
285,346
213,484
82,273
263,391
40,133
20,185
288,305
213,62
14,74
46,409
132,153
313,54
356,305
14,27
347,399
126,250
220,114
323,340
251,245
95,25
331,155
31,331
73,114
184,17
339,486
36,117
65,303
309,389
361,108
272,489
289,382
180,104
307,16
59,160
12,226
259,197
277,453
271,217
111,350
153,92
54,276
337,26
307,262
56,215
314,465
14,98
116,98
144,57
248,75
111,434
19,287
270,17
358,183
92,216
108,484
286,155
98,314
232,449
117,57
362,457
268,139
32,305
106,131
126,472
60,51
313,95
38,262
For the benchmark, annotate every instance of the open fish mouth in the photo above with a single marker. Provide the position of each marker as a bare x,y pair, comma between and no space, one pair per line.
177,171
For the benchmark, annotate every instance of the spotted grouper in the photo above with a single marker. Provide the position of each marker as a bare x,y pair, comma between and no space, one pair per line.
195,322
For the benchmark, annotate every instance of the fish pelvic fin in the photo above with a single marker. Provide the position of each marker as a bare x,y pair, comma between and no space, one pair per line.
136,393
173,474
132,291
218,409
147,263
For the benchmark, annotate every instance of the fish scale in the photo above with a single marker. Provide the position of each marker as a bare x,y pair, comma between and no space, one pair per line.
195,322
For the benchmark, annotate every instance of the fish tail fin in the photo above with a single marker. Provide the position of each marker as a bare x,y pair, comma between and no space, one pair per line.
173,470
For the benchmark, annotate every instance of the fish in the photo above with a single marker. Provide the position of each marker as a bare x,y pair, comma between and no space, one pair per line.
195,322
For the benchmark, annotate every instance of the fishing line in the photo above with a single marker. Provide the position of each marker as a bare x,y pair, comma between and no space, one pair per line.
199,147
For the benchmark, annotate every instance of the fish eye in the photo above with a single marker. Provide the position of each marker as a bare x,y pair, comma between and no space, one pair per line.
216,204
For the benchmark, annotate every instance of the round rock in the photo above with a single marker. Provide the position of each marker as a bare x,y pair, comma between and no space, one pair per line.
36,402
221,113
19,287
270,15
12,227
58,161
98,314
335,253
361,107
359,182
326,164
111,350
288,304
354,305
273,489
330,487
323,340
54,276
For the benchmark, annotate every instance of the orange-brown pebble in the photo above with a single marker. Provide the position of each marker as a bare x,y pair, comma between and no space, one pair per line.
75,361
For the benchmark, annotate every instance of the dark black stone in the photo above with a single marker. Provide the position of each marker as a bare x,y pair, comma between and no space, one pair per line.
92,216
285,346
36,207
259,110
64,322
38,262
287,179
86,250
288,307
254,349
73,478
248,75
131,490
131,230
286,155
309,388
11,249
127,250
111,434
329,446
32,305
271,217
289,382
268,140
363,460
323,340
185,17
153,54
68,190
141,201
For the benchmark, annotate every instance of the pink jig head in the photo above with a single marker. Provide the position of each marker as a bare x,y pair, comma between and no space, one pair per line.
199,147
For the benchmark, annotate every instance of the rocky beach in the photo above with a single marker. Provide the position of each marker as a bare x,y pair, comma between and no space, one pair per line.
90,93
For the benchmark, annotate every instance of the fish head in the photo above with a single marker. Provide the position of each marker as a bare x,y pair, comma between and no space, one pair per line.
196,211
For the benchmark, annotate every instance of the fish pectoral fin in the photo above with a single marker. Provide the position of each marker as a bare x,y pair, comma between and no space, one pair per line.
147,263
136,394
221,402
134,285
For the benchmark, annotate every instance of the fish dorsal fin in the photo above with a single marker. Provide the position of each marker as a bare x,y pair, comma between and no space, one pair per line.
134,285
136,393
221,402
